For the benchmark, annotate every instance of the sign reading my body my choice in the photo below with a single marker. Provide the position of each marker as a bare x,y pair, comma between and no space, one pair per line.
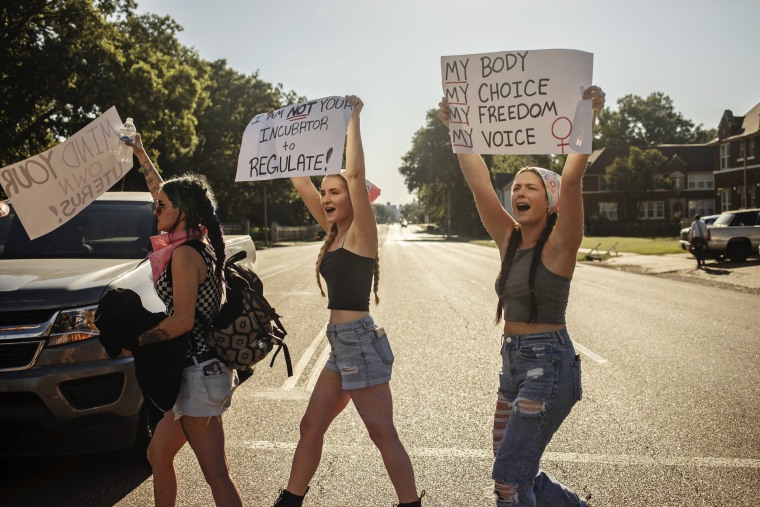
49,189
519,102
304,139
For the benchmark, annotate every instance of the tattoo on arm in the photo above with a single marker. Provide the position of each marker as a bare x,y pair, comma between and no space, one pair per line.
153,336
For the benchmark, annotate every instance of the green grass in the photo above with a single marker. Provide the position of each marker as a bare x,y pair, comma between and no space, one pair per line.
643,246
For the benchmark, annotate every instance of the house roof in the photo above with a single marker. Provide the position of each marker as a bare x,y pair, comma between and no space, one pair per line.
742,125
692,157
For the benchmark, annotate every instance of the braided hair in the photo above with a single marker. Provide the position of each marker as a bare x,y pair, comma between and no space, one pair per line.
506,263
192,195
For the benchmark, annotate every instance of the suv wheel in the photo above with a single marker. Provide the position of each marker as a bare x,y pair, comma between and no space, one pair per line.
738,251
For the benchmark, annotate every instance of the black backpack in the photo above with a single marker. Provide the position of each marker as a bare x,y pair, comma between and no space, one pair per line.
247,328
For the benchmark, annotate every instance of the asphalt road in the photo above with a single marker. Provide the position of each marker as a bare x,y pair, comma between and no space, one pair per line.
669,415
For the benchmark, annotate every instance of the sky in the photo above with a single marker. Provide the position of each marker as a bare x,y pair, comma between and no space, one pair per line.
702,54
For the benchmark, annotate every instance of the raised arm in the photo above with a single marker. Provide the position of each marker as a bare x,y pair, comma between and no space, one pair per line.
310,197
152,178
498,223
569,228
364,224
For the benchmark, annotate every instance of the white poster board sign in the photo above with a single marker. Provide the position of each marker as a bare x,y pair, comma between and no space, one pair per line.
519,102
49,189
304,139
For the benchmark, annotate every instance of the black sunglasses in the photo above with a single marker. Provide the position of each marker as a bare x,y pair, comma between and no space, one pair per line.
159,208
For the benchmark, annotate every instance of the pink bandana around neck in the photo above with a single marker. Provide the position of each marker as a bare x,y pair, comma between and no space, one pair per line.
163,246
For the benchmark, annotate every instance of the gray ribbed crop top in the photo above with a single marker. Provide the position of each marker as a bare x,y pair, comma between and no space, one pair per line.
551,291
349,279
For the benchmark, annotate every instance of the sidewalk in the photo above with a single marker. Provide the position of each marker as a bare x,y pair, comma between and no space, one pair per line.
744,276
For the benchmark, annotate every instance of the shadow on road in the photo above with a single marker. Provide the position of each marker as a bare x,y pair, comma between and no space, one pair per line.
68,481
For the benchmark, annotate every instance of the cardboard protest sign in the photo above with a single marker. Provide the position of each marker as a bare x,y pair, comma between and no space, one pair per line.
49,189
304,139
519,102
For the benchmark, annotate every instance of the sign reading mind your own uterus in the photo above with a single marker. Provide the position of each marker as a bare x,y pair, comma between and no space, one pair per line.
49,189
305,139
519,102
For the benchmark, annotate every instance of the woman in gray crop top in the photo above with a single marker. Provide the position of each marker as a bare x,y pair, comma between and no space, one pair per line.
360,362
540,379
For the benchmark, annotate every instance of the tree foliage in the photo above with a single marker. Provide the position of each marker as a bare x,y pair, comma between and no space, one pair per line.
432,171
634,176
646,121
64,62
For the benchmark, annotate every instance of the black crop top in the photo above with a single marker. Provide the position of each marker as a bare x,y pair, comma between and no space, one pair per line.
349,280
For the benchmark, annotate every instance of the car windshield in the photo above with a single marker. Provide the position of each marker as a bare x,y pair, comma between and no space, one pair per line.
103,230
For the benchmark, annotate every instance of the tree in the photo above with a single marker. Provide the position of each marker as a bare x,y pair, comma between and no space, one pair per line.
382,213
643,122
633,176
57,65
432,171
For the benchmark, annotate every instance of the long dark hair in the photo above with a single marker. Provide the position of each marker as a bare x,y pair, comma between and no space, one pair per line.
192,195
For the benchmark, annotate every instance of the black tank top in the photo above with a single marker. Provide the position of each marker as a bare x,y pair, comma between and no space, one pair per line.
349,280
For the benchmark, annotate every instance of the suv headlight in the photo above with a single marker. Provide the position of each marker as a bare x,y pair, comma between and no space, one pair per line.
72,326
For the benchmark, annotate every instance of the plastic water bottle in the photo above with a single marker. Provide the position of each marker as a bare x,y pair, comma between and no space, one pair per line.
126,132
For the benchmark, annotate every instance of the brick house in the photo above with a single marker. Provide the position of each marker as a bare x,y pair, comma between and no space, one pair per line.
698,178
737,161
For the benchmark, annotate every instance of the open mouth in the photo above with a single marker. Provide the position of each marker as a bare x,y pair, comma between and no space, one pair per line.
522,206
329,210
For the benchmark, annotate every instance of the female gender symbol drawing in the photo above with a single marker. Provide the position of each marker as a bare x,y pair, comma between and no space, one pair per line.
557,126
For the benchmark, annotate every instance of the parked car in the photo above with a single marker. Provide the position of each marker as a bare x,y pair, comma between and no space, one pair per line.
734,234
684,237
60,393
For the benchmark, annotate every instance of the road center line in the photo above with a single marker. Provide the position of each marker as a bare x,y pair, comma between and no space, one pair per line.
275,273
291,382
595,357
567,457
317,370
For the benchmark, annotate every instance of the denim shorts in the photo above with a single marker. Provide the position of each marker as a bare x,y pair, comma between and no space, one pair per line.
360,353
206,389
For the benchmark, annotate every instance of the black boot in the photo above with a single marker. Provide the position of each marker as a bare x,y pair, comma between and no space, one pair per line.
416,503
288,499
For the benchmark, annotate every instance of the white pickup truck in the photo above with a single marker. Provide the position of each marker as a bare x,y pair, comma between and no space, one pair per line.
59,390
734,234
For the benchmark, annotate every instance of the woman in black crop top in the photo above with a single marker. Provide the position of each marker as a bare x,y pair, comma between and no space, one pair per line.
360,361
540,377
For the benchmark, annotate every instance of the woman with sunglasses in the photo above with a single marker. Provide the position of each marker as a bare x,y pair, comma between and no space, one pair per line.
188,280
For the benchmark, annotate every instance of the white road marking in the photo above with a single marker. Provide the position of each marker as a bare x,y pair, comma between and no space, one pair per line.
304,361
595,357
567,457
275,273
318,367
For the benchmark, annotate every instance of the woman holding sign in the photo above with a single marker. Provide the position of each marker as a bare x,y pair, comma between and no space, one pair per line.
360,361
188,280
540,379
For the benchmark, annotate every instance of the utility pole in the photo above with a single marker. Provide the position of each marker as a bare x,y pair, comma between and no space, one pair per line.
266,219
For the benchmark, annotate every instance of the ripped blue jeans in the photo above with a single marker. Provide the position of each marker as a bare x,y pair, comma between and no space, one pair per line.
541,380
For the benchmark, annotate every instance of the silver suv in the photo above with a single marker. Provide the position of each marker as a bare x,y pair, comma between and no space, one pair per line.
59,390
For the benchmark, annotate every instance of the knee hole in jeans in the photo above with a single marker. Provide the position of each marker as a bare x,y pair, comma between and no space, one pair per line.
529,407
506,492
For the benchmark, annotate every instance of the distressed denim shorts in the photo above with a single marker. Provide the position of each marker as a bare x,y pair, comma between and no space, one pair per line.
206,389
360,353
